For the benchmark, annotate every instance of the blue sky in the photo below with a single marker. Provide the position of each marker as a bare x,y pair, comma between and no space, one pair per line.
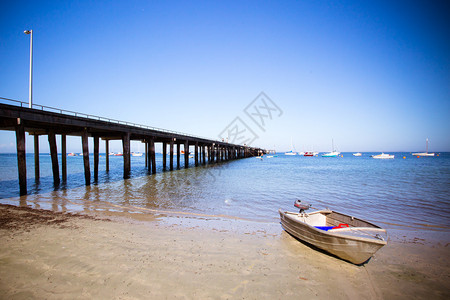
372,75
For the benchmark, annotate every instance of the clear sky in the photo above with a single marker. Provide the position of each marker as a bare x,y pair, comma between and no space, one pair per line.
372,75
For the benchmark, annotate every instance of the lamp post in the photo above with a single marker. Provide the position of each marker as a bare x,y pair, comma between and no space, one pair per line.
30,32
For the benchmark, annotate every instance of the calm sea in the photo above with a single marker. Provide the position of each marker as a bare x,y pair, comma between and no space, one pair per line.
411,194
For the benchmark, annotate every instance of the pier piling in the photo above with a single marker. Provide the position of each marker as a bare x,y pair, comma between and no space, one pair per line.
21,158
96,156
209,154
203,153
152,154
186,154
126,155
178,155
36,158
54,156
171,155
146,154
85,146
148,157
196,154
63,158
164,153
107,154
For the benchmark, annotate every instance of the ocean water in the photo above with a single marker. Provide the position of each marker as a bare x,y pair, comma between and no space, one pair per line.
410,194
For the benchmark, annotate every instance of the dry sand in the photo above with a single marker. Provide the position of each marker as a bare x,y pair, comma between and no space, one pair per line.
48,255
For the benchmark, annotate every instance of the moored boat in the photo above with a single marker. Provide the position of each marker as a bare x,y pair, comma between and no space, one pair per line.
309,153
424,153
333,152
357,154
344,236
383,156
292,151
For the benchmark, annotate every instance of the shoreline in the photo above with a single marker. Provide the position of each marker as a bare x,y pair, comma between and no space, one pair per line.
47,254
399,233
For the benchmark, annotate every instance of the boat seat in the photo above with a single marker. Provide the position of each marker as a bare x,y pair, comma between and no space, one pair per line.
326,228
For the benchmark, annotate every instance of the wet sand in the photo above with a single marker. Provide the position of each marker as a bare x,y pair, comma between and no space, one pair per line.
48,255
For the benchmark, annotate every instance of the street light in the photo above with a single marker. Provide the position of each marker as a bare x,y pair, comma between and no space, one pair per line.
30,32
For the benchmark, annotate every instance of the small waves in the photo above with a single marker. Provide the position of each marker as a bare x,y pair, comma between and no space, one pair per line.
401,193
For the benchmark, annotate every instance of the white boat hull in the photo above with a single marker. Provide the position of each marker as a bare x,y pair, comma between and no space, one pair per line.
383,156
423,154
331,154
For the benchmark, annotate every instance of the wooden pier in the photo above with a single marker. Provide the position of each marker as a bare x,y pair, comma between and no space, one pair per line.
41,120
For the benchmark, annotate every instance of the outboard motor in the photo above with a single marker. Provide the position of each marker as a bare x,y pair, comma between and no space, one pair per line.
302,205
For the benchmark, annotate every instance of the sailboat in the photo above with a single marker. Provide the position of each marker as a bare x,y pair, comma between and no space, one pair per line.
333,152
424,153
292,150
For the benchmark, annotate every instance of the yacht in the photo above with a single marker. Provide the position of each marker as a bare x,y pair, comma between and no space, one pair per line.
333,152
292,152
424,153
383,156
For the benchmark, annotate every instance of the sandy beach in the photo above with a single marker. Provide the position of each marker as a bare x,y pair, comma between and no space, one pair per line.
49,255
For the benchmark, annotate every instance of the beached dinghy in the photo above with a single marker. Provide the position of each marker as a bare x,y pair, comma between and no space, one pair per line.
346,237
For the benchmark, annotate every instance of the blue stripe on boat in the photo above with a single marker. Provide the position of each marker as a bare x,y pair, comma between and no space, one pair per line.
326,228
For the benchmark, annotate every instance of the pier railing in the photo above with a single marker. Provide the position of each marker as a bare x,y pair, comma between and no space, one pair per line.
93,117
15,115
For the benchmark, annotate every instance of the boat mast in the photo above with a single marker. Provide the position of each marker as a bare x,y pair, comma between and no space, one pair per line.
427,145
